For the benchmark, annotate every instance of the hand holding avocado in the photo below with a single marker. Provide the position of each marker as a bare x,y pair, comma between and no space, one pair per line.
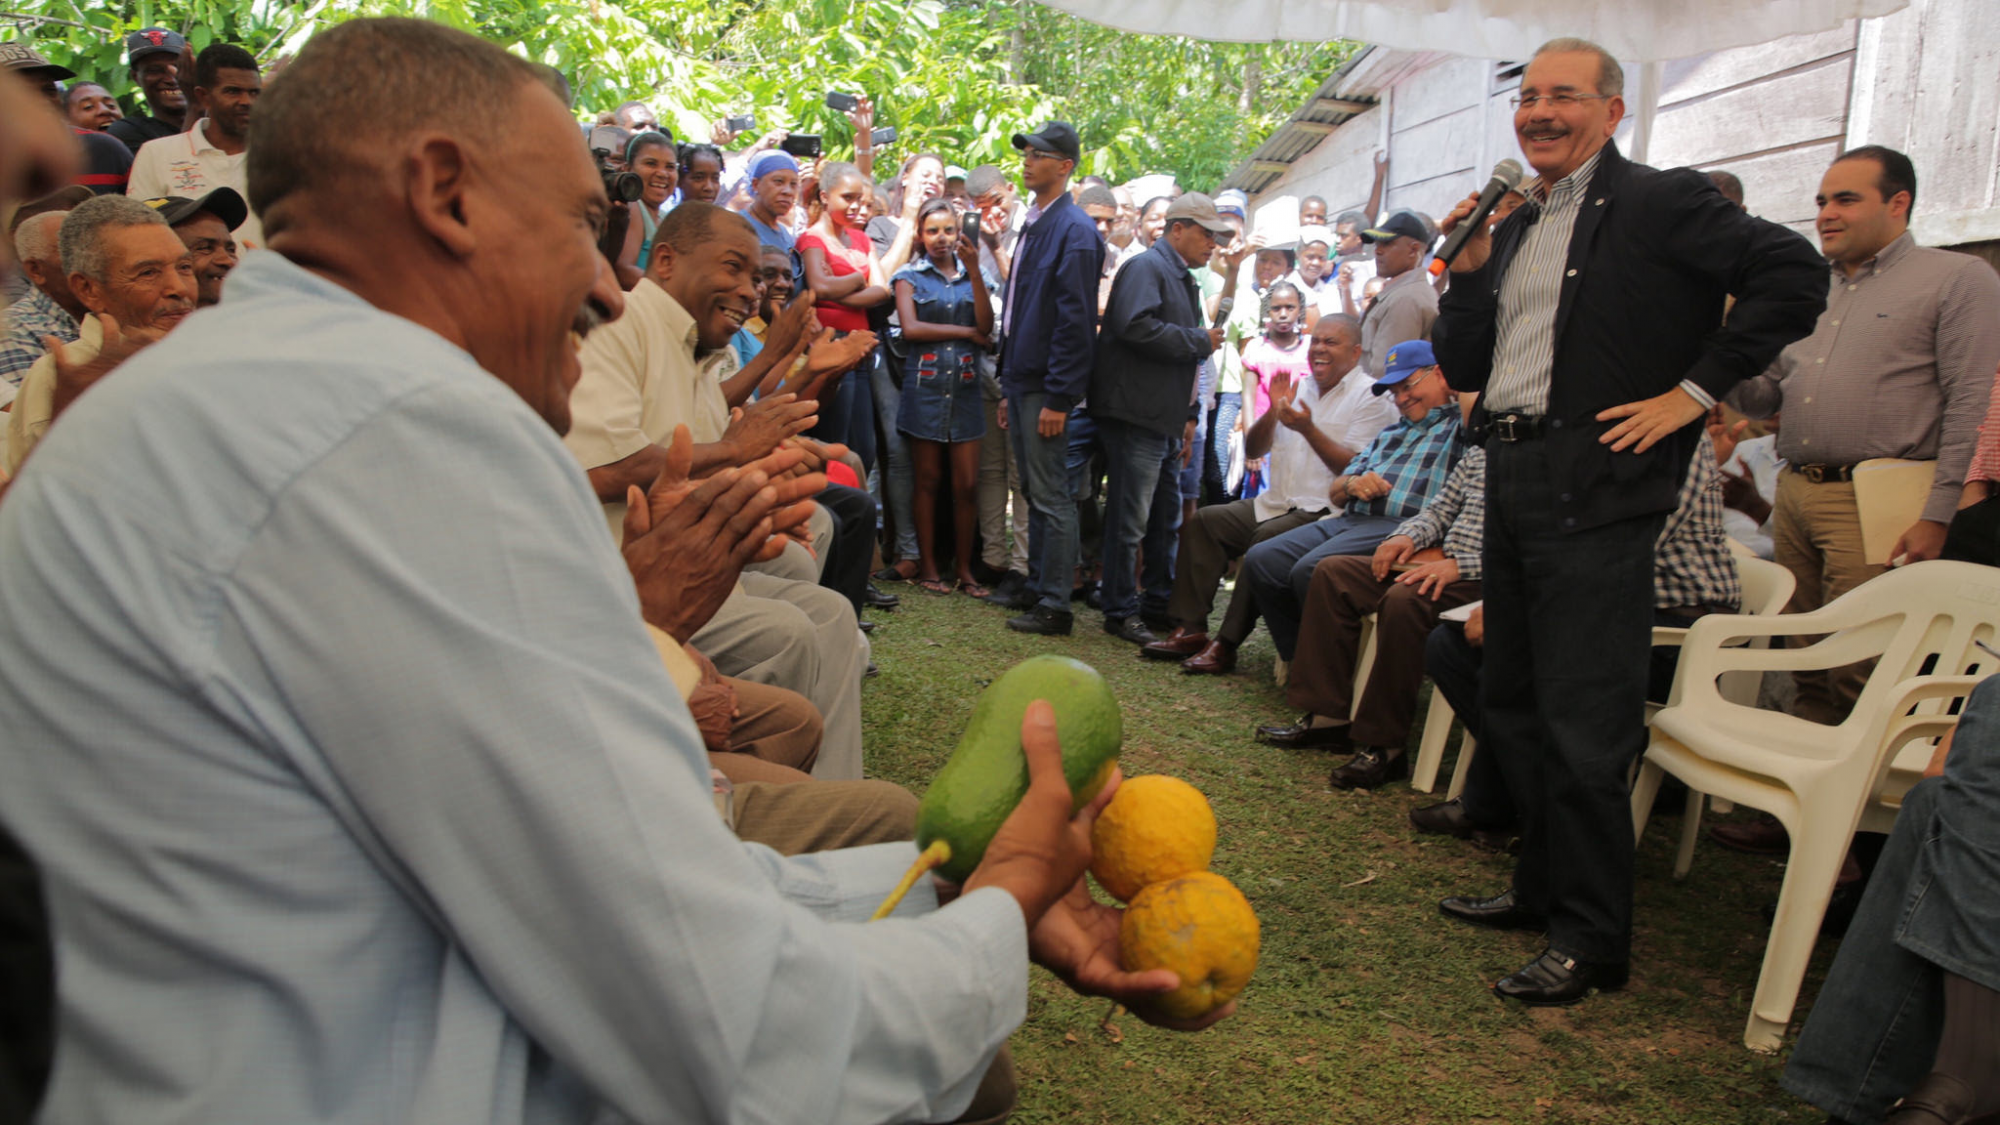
1043,847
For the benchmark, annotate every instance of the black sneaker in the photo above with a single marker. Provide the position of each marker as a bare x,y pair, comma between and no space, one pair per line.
1129,629
1046,622
1013,592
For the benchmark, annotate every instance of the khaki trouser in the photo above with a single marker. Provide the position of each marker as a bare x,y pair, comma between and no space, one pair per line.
1000,478
822,815
1216,536
1816,534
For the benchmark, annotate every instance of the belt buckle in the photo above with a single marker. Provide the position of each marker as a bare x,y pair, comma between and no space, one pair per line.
1814,473
1503,428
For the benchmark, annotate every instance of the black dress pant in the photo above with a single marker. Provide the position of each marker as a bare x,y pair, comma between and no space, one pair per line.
853,545
1569,616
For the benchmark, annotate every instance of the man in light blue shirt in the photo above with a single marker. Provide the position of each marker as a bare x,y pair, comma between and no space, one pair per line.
360,792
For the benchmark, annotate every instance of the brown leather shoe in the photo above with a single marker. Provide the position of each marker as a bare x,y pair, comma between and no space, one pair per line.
1762,836
1177,645
1215,660
1370,768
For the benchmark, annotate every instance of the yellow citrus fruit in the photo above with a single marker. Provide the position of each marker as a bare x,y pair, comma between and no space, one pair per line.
1201,927
1156,827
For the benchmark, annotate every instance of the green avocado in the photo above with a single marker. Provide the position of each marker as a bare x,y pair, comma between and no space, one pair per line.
988,774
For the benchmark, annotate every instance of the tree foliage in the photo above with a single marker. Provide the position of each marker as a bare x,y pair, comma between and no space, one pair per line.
958,77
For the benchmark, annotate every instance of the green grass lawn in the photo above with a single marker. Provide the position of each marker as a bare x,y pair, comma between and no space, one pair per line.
1367,1004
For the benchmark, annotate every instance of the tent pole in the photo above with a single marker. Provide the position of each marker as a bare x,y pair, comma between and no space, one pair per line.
1649,104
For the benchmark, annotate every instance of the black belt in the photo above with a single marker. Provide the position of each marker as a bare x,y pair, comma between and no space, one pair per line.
1821,474
1513,427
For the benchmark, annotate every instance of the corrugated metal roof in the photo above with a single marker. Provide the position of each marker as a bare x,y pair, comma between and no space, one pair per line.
1349,91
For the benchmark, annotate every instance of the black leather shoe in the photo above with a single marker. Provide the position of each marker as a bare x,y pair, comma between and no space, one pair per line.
1500,912
867,626
1013,593
1556,978
1046,622
1449,819
1370,768
1129,629
876,599
1302,735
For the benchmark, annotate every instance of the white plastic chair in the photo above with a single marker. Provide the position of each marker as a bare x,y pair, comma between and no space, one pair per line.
1823,782
1766,588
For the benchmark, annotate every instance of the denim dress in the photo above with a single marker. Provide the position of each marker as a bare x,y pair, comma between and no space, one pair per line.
941,397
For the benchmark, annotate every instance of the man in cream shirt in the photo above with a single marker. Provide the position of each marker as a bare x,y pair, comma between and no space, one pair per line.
661,366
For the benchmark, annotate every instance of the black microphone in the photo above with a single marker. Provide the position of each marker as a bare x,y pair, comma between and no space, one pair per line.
1222,310
1507,176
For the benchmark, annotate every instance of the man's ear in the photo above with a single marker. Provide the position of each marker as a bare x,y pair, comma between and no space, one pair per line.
87,291
437,175
661,268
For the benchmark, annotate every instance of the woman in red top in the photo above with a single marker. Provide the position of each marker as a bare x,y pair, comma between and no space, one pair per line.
846,281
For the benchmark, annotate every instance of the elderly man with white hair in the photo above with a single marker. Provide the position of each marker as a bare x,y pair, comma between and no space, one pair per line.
47,309
134,279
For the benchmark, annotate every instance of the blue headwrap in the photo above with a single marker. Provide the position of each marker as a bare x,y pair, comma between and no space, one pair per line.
769,161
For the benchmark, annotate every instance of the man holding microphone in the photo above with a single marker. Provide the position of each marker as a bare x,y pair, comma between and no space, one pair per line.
1591,321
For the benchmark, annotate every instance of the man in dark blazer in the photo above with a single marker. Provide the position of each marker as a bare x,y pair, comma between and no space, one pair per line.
1591,321
1149,351
1048,331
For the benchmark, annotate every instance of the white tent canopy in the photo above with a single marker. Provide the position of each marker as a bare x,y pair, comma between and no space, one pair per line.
1638,30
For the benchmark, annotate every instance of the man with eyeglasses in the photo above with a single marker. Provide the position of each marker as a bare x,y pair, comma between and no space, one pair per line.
1592,321
1048,335
1383,485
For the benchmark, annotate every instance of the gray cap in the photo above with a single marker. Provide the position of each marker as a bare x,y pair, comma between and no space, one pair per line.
1200,209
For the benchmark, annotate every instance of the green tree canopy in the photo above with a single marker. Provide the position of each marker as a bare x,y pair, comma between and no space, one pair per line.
957,77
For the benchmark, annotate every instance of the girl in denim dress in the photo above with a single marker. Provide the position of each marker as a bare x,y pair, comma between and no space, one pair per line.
947,319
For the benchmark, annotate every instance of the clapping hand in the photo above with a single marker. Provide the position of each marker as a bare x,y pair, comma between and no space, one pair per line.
685,542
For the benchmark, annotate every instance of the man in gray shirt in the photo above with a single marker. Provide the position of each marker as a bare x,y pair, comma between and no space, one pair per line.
1899,365
1407,306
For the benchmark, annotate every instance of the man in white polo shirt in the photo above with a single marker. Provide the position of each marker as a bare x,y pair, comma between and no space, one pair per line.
1336,417
210,155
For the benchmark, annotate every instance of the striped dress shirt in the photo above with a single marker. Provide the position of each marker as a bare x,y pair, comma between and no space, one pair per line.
1524,355
1900,365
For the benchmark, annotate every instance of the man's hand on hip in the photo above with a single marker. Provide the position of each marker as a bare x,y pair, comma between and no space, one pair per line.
1649,420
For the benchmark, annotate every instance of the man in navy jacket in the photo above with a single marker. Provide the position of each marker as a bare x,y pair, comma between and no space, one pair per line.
1142,397
1591,321
1048,331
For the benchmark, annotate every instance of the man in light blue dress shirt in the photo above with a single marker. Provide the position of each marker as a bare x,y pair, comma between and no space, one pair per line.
359,790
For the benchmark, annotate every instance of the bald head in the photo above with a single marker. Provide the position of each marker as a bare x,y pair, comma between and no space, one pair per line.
361,91
1335,349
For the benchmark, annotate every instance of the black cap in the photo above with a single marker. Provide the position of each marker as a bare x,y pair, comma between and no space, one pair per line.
1403,224
223,203
152,41
1058,137
18,56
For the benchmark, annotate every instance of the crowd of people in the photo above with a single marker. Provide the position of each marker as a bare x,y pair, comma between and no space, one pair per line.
431,512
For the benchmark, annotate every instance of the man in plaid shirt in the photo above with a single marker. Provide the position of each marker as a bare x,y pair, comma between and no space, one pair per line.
47,309
1387,483
1429,565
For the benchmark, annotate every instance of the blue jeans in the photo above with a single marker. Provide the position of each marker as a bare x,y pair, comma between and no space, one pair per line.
846,413
1139,472
1051,507
1163,536
1932,907
1221,426
1279,571
898,481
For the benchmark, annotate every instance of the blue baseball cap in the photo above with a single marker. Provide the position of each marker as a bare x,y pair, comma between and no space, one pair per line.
1404,360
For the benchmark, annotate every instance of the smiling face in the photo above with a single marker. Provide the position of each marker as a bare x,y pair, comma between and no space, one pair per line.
1422,392
148,279
1556,138
925,177
1855,222
658,173
1103,216
91,106
213,253
714,279
1153,223
774,280
159,79
1335,349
